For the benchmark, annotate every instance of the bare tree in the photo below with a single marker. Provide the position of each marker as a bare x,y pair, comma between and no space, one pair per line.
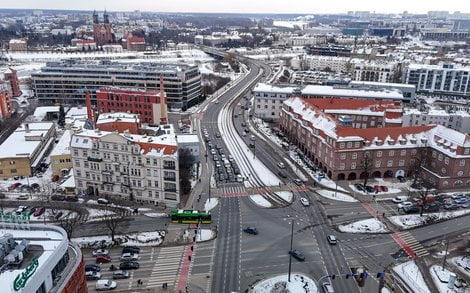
424,193
69,222
366,166
417,163
112,221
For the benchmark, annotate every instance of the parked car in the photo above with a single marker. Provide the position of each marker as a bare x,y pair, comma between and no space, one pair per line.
401,179
128,256
58,197
21,209
332,239
411,209
399,199
327,288
131,249
129,265
58,215
297,255
92,275
252,137
120,274
433,207
451,206
105,285
100,251
369,189
22,197
14,186
298,182
55,178
404,204
39,211
102,201
251,230
103,259
93,268
71,198
457,195
282,174
359,187
305,202
281,165
384,188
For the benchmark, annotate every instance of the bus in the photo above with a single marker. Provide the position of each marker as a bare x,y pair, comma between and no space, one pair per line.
189,217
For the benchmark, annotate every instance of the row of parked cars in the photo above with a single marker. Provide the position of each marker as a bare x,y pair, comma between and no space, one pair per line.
128,261
24,187
371,189
433,203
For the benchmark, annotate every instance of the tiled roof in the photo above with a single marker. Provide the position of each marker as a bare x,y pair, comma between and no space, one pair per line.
351,104
382,133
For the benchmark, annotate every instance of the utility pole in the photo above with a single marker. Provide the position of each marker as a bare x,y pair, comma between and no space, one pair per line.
445,254
291,244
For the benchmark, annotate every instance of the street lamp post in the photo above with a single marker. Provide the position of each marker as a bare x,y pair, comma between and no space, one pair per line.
291,244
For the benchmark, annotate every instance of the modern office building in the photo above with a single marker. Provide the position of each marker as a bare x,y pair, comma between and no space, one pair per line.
443,79
67,81
39,258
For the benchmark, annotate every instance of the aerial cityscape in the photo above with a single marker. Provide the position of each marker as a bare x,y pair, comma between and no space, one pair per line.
256,147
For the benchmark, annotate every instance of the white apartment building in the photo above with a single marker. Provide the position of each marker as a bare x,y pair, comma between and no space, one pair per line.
457,120
444,79
109,164
373,71
327,63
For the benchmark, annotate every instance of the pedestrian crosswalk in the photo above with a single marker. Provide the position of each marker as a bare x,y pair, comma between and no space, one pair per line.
166,267
240,190
409,244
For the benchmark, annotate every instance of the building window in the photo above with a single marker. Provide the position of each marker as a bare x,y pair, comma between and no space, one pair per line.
440,157
379,154
443,170
460,173
354,156
389,163
341,145
353,165
13,171
342,156
462,163
446,161
341,166
391,153
377,164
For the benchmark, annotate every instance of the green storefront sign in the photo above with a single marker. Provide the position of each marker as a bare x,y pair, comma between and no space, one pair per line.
14,218
21,279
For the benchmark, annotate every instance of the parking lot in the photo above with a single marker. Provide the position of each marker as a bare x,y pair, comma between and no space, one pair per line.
158,265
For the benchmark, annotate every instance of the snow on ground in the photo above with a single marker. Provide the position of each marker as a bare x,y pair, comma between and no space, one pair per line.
259,200
364,226
463,264
440,277
297,171
298,284
410,274
393,187
385,290
95,213
153,238
204,235
285,195
339,196
156,215
210,204
411,221
391,190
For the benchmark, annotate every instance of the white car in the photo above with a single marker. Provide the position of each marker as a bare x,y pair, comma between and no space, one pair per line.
105,285
129,256
100,251
305,202
281,165
400,199
213,151
405,204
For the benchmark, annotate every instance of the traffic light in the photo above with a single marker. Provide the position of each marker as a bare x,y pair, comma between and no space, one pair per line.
380,275
350,276
363,275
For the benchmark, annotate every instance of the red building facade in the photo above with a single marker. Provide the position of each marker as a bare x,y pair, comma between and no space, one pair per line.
12,77
6,108
102,32
148,104
77,282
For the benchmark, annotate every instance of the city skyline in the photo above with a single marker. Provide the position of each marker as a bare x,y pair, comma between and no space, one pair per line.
246,6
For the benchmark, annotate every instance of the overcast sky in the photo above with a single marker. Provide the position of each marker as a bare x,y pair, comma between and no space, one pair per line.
248,6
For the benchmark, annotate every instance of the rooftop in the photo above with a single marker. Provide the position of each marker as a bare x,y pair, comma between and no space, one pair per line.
63,146
16,144
117,117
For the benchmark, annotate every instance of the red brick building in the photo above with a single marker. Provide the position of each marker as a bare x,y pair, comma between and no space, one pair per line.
120,122
150,106
102,32
77,282
6,108
12,77
339,148
135,44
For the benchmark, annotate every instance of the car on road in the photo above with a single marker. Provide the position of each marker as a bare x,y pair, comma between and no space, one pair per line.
252,137
369,189
327,288
217,135
21,209
281,165
399,199
129,265
298,182
39,211
297,255
282,174
457,195
243,124
332,239
22,197
93,268
105,285
92,275
103,259
304,201
251,230
120,274
405,204
131,249
100,251
213,151
129,256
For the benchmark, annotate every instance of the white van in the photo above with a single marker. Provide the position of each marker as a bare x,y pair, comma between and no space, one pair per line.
226,163
239,178
104,285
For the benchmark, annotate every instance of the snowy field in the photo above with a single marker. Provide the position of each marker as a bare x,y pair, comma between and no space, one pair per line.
364,226
210,204
259,200
154,238
411,221
410,274
298,284
440,278
339,196
463,264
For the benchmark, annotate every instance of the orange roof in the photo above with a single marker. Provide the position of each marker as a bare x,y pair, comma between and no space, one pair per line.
167,149
135,40
393,115
351,104
382,133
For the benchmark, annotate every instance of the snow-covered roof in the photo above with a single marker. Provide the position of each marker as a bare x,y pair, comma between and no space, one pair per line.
63,146
117,117
70,182
76,111
41,112
187,138
16,145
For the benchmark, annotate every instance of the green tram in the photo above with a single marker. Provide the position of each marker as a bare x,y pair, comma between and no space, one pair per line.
189,217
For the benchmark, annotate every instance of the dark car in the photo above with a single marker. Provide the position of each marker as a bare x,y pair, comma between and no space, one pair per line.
39,211
433,207
58,215
129,265
35,186
411,209
401,179
282,174
58,197
251,230
369,188
103,259
297,255
359,187
93,268
451,206
131,249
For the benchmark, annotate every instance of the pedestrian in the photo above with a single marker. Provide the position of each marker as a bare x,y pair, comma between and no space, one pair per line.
383,215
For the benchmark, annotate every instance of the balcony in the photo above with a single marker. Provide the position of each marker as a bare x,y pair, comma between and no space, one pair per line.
169,178
170,189
107,172
95,159
169,167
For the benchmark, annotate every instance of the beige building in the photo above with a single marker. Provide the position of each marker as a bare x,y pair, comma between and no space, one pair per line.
61,157
22,152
